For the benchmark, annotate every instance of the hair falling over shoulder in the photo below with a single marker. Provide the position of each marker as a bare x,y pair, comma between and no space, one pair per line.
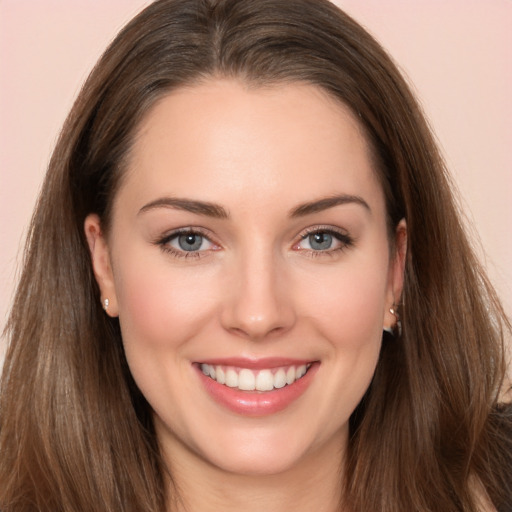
432,432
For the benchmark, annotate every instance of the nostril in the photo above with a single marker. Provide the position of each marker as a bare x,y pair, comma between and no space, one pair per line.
258,328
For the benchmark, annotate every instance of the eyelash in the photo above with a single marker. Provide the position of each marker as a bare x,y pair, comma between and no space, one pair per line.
343,238
164,243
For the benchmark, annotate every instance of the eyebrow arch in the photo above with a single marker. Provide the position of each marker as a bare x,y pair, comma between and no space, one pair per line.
189,205
326,203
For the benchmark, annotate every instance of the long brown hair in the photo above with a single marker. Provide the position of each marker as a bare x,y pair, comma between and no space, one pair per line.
75,432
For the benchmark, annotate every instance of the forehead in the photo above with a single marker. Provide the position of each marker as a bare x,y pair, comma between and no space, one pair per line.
223,138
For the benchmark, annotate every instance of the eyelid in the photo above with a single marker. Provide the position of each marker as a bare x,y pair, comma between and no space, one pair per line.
341,235
163,242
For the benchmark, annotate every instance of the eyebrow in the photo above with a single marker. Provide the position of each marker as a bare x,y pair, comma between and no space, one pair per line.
326,203
189,205
218,212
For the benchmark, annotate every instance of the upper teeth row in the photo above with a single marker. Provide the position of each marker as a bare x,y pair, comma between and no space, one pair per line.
250,380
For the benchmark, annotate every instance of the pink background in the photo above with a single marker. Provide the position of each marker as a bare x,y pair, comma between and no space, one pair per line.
457,53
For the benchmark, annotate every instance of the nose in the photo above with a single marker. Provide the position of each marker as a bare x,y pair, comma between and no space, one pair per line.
259,301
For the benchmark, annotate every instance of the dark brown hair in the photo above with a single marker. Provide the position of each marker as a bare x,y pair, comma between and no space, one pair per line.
75,432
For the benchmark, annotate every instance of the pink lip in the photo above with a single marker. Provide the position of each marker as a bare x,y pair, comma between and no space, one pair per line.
256,403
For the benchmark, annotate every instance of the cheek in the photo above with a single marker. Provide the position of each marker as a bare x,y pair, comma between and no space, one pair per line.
160,310
348,303
159,307
350,318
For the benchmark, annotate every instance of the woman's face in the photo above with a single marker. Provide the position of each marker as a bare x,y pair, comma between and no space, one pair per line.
248,242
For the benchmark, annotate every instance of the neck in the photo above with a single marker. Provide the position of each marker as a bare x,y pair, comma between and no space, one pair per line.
314,483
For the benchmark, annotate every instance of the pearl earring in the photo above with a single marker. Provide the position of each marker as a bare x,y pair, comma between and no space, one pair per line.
105,304
398,325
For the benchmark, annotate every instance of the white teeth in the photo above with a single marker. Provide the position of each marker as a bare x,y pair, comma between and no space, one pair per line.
246,380
221,375
231,378
280,379
250,380
265,381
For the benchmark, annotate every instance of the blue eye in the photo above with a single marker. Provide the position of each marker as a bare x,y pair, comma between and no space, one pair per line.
190,241
320,241
185,243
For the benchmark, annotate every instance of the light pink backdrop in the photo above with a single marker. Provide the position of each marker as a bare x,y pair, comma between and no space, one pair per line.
457,53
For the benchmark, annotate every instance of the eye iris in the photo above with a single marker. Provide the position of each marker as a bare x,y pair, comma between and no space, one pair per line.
320,241
190,242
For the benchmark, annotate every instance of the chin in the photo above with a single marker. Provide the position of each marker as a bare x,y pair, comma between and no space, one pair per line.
263,462
268,449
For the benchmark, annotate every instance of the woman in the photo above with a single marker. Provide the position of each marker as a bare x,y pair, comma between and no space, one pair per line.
246,285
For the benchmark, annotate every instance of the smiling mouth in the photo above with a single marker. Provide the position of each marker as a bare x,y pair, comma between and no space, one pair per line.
246,379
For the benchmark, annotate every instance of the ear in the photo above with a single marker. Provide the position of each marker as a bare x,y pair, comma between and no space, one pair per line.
396,273
100,257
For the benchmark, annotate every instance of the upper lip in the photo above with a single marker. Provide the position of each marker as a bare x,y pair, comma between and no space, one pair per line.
256,363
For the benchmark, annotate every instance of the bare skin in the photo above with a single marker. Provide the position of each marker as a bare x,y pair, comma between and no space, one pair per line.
250,224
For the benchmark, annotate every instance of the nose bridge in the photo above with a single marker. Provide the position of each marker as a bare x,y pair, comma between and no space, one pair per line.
258,304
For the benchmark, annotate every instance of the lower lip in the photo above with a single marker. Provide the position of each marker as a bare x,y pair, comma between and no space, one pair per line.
256,403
